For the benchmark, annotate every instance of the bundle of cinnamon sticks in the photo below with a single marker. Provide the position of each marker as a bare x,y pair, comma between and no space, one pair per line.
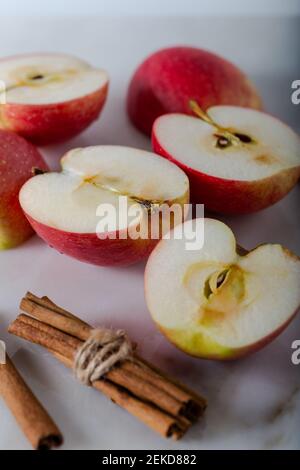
163,404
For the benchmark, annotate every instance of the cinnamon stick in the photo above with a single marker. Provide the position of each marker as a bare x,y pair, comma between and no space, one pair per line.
82,330
194,403
63,347
31,416
164,405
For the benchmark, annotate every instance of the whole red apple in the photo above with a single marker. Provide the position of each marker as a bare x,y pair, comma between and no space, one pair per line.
17,159
167,80
50,97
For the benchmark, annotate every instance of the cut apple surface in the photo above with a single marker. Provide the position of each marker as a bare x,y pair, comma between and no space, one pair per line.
49,97
213,302
238,160
65,208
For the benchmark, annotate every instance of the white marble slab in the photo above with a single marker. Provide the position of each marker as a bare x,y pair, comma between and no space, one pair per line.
253,402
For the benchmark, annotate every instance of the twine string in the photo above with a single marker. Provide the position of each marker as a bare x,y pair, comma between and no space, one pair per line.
100,353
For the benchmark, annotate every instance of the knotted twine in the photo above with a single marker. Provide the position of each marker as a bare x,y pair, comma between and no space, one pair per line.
100,353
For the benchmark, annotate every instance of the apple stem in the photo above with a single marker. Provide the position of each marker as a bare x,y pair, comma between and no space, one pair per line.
149,205
226,137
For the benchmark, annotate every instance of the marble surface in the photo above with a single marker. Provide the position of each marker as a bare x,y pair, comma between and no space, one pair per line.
254,403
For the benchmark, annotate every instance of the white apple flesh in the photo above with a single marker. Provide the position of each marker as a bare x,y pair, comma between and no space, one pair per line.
216,304
62,207
255,169
49,97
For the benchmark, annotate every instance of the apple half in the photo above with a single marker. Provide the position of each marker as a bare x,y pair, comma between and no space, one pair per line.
50,97
213,302
63,208
238,160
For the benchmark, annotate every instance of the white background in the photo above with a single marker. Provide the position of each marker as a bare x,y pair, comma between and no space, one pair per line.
254,402
149,7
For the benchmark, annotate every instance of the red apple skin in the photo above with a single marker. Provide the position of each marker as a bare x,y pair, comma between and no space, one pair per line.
229,196
17,158
168,79
87,247
48,123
